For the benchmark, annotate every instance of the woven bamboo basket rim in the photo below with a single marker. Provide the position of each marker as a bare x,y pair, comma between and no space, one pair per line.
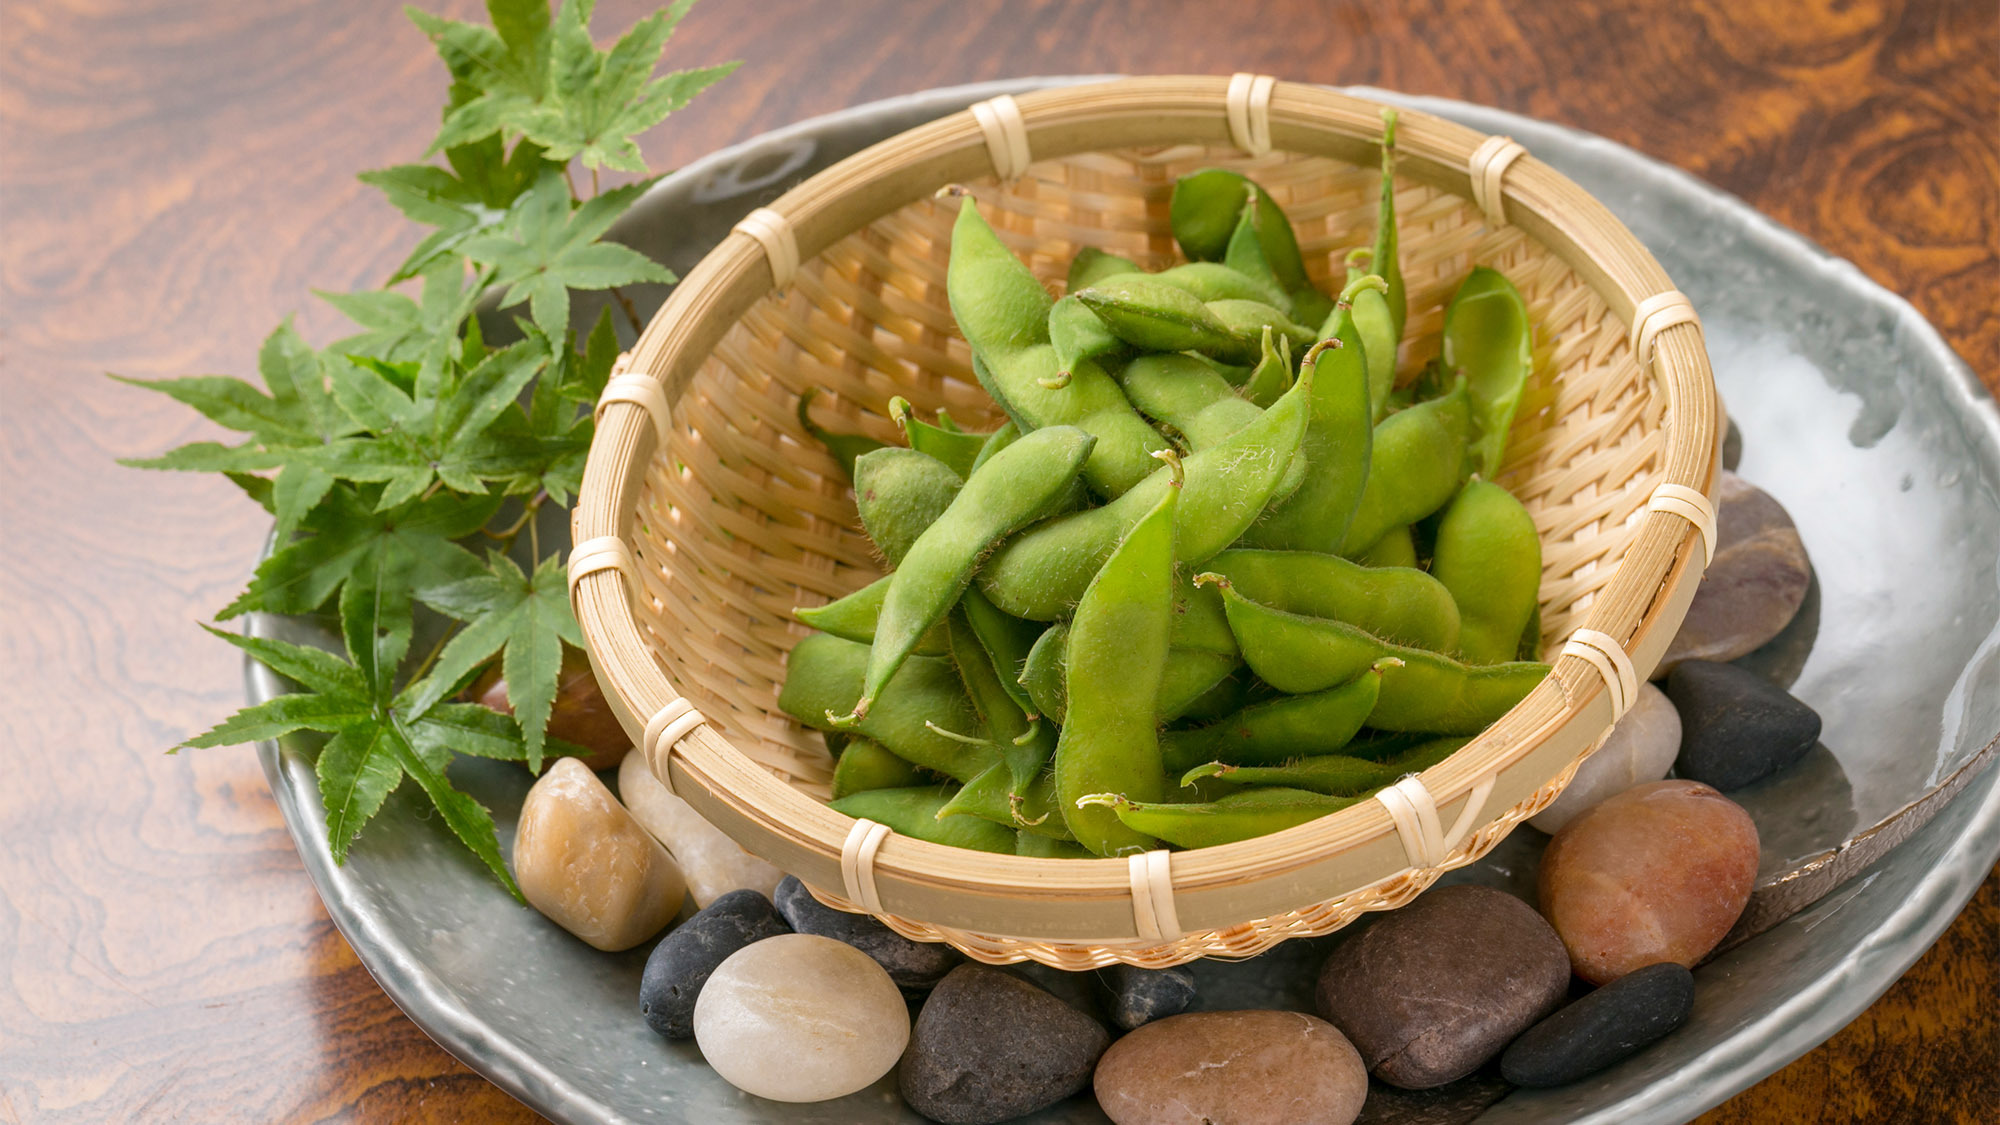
1235,899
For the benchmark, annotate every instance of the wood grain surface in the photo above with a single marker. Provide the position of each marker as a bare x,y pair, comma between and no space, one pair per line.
175,178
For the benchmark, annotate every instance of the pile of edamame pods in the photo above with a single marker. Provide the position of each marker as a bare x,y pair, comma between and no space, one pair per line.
1192,591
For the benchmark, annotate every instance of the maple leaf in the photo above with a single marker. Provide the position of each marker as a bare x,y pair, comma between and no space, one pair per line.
500,71
465,200
551,250
399,328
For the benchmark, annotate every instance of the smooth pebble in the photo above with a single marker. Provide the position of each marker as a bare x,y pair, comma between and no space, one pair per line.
1603,1027
582,860
713,863
1755,585
1435,989
1658,873
1243,1068
683,960
915,966
1140,996
1642,748
989,1046
800,1018
1736,726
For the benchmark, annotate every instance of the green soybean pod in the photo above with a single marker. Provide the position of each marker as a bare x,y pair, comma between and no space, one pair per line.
1399,604
1273,374
1244,815
853,618
899,493
999,439
1386,259
1007,493
1489,555
1487,337
1204,212
1157,317
866,764
1375,325
824,674
1189,676
1092,265
1244,252
1213,281
955,448
1295,653
1007,640
844,447
1040,573
1187,395
1115,657
993,297
1248,320
913,812
1043,847
1396,548
1278,730
1024,743
1334,774
1077,334
992,796
1336,448
1415,466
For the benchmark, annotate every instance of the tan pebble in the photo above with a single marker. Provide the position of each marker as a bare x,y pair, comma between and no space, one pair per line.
581,859
713,863
1245,1068
801,1018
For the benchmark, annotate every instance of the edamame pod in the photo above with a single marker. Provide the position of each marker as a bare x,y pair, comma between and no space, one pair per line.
1247,320
1190,675
991,796
1336,447
866,764
1042,847
954,447
899,493
1415,466
1489,555
913,812
1157,317
999,439
1375,325
1204,213
1213,281
844,447
1116,654
1278,730
824,673
1006,639
1273,374
1010,491
1399,604
1024,744
1040,573
853,618
1396,548
1335,774
1078,334
1186,394
1238,816
1386,259
1487,337
1092,265
1421,691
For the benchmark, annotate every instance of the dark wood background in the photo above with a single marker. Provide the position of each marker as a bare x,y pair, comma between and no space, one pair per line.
175,177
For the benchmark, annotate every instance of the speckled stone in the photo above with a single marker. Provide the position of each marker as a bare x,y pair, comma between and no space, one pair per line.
683,960
1642,748
1737,727
1755,585
1140,996
915,966
800,1018
1242,1068
988,1046
1435,989
1608,1025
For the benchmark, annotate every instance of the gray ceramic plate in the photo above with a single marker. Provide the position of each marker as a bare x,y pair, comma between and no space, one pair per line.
1855,415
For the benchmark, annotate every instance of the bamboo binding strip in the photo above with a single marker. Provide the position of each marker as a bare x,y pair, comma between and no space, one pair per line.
738,515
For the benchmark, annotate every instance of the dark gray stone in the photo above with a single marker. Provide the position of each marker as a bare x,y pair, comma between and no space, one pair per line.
681,963
1732,447
1429,993
1140,996
1754,587
989,1046
1608,1025
915,966
1736,726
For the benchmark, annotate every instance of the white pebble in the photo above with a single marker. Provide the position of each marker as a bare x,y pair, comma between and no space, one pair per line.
581,859
801,1018
1642,748
713,863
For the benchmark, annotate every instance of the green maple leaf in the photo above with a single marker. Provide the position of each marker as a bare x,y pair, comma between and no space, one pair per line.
552,249
596,101
399,328
524,617
463,201
500,71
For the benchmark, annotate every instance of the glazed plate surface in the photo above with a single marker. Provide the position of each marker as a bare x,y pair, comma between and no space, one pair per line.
1854,414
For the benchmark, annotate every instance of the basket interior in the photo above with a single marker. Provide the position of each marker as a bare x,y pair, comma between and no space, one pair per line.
744,516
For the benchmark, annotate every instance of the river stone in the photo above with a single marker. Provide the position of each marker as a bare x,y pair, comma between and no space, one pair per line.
1642,748
1140,996
1736,726
1658,873
1243,1068
713,863
1608,1025
801,1018
581,859
1754,586
1430,992
684,959
915,966
1732,447
989,1046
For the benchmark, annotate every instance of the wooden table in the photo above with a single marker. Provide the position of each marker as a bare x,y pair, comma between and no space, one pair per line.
178,176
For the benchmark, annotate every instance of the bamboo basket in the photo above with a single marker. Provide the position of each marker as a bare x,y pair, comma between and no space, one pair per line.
706,514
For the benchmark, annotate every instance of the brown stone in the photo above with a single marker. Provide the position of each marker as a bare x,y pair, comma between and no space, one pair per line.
1244,1068
1755,585
582,860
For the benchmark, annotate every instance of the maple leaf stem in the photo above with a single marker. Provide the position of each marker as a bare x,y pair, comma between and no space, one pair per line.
571,184
506,536
593,181
631,310
430,657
